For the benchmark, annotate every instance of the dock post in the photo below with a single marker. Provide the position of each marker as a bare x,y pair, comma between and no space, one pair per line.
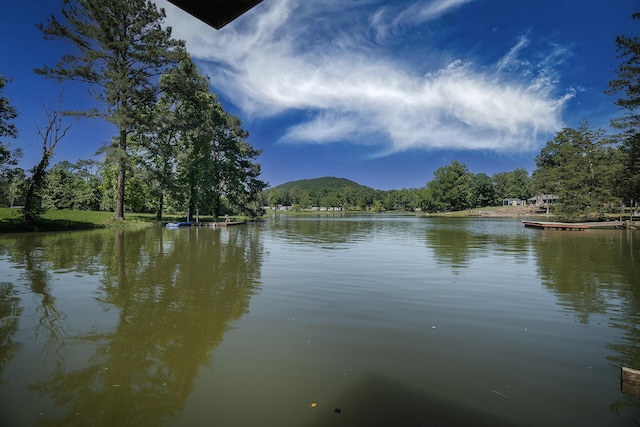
630,381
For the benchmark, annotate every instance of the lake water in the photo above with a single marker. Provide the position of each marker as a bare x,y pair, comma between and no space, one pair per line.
326,321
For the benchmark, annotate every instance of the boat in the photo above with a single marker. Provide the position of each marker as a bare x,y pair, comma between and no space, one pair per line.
178,224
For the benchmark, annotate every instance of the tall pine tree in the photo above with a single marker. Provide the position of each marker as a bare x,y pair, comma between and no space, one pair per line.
121,49
628,83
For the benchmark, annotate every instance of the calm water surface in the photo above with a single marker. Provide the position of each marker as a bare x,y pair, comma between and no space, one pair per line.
377,320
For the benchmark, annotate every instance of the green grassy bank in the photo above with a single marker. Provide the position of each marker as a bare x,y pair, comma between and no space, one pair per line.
66,219
62,220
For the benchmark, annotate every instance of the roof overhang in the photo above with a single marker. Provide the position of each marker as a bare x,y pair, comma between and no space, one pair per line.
216,13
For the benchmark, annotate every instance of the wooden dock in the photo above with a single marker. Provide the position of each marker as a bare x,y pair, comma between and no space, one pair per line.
631,381
203,224
554,225
546,225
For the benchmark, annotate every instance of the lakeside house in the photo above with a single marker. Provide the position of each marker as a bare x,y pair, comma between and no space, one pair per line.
513,202
543,201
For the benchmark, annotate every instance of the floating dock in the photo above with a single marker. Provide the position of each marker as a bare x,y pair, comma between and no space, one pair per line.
203,224
546,225
555,225
223,223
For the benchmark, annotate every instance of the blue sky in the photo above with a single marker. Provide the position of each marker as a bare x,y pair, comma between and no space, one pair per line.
379,92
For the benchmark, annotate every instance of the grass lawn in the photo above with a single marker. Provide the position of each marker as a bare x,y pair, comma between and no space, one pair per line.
67,219
59,220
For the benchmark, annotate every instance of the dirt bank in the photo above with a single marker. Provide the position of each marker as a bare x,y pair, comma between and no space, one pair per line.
507,211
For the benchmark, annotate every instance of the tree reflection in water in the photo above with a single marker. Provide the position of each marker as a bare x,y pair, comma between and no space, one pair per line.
597,273
10,311
177,292
35,255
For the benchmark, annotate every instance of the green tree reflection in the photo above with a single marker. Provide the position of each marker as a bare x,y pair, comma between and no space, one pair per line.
177,293
10,311
456,242
33,254
597,272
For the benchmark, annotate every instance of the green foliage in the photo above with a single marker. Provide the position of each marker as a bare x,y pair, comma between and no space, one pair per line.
578,167
325,184
7,129
515,184
628,84
74,186
323,192
12,188
51,134
120,49
33,204
7,113
193,155
484,193
519,184
452,188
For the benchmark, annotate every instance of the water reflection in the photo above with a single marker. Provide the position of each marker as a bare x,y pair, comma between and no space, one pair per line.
335,232
597,273
10,311
37,257
174,303
456,242
127,320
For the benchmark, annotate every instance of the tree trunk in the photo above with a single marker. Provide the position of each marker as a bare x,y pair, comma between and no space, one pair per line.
216,206
160,206
122,164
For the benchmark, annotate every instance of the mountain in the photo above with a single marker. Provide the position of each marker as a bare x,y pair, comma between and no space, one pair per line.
327,183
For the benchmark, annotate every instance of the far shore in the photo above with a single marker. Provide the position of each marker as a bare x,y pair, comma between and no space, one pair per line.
500,211
68,220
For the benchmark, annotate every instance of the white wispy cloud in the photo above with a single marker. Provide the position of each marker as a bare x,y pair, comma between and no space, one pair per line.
422,11
511,59
327,61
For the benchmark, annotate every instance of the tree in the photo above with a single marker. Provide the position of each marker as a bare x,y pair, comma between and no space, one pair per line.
500,182
7,113
628,82
51,134
451,188
121,49
577,166
60,187
177,121
514,184
519,184
88,185
74,186
16,186
484,193
238,173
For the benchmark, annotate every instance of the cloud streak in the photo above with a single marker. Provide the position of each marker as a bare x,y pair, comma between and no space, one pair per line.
348,86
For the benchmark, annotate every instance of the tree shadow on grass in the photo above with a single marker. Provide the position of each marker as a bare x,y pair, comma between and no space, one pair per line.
18,225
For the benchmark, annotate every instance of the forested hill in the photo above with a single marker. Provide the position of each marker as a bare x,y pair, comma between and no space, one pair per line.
327,183
328,191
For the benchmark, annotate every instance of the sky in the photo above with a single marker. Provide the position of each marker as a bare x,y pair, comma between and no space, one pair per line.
381,92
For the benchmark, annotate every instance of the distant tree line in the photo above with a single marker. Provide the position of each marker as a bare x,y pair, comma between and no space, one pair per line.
453,187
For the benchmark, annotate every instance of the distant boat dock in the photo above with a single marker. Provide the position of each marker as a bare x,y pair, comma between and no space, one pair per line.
203,224
579,226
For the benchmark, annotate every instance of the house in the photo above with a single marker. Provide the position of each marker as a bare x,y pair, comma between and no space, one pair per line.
543,200
513,202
